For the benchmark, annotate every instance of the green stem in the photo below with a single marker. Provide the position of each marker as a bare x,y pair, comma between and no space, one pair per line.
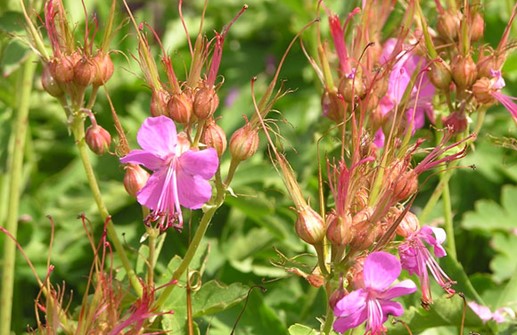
78,131
329,319
24,86
153,234
449,224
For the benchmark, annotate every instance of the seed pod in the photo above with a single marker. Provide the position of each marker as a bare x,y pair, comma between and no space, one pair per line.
98,139
482,89
49,83
159,100
448,24
339,230
179,108
62,69
244,142
214,137
352,88
440,74
84,72
402,181
205,103
310,226
135,179
464,71
364,230
103,68
477,27
408,225
332,106
457,122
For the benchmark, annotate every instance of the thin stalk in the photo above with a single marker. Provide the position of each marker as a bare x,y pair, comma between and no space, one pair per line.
449,224
329,319
78,131
437,193
153,234
24,86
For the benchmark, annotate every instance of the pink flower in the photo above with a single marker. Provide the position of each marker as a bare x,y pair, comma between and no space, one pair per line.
484,313
416,259
372,303
180,175
420,102
508,102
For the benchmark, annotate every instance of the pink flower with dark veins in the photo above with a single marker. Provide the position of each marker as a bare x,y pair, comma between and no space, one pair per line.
180,174
373,302
508,102
417,259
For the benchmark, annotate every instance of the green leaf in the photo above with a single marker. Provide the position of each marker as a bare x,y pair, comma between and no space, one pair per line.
298,329
214,297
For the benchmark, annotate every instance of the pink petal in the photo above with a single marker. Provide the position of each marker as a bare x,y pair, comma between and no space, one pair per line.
404,287
158,135
379,138
434,237
193,191
150,194
391,308
351,311
145,158
507,102
380,270
483,312
203,163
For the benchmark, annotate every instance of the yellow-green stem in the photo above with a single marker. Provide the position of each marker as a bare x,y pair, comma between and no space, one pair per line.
329,319
24,86
449,224
78,131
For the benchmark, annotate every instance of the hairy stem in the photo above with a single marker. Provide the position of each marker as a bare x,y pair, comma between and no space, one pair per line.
24,86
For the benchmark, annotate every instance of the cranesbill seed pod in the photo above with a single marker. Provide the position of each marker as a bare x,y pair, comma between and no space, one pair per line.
477,27
62,68
49,83
448,24
179,108
205,103
464,71
244,142
159,100
135,179
482,91
364,230
84,72
457,122
339,230
402,181
408,225
214,137
440,74
98,139
103,68
310,226
333,106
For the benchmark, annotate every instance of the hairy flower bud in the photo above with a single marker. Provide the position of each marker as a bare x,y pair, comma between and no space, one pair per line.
448,24
339,230
464,71
103,68
62,69
244,142
482,89
159,100
440,74
457,122
332,106
477,27
49,83
179,108
352,87
488,63
408,225
135,179
84,71
336,296
310,226
98,139
214,137
205,103
365,232
402,181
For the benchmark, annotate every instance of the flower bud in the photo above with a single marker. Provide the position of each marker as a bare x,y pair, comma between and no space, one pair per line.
402,181
339,230
464,71
62,69
103,68
98,139
205,102
84,72
214,137
364,230
482,91
179,108
440,74
408,225
310,226
352,87
477,27
159,100
135,179
336,296
457,122
448,24
49,83
488,63
244,142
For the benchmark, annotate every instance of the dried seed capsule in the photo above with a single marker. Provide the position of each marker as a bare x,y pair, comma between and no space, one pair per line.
464,71
179,108
205,103
84,72
244,142
62,68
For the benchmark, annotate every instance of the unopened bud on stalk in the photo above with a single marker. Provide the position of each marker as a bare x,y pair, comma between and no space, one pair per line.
135,179
477,27
214,137
336,296
482,91
49,83
179,108
205,103
310,226
84,72
332,106
464,71
98,139
440,74
408,225
103,68
62,69
244,142
402,181
365,232
457,122
159,100
352,87
448,24
339,230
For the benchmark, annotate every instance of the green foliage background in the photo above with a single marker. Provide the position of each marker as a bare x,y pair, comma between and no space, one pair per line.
247,231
